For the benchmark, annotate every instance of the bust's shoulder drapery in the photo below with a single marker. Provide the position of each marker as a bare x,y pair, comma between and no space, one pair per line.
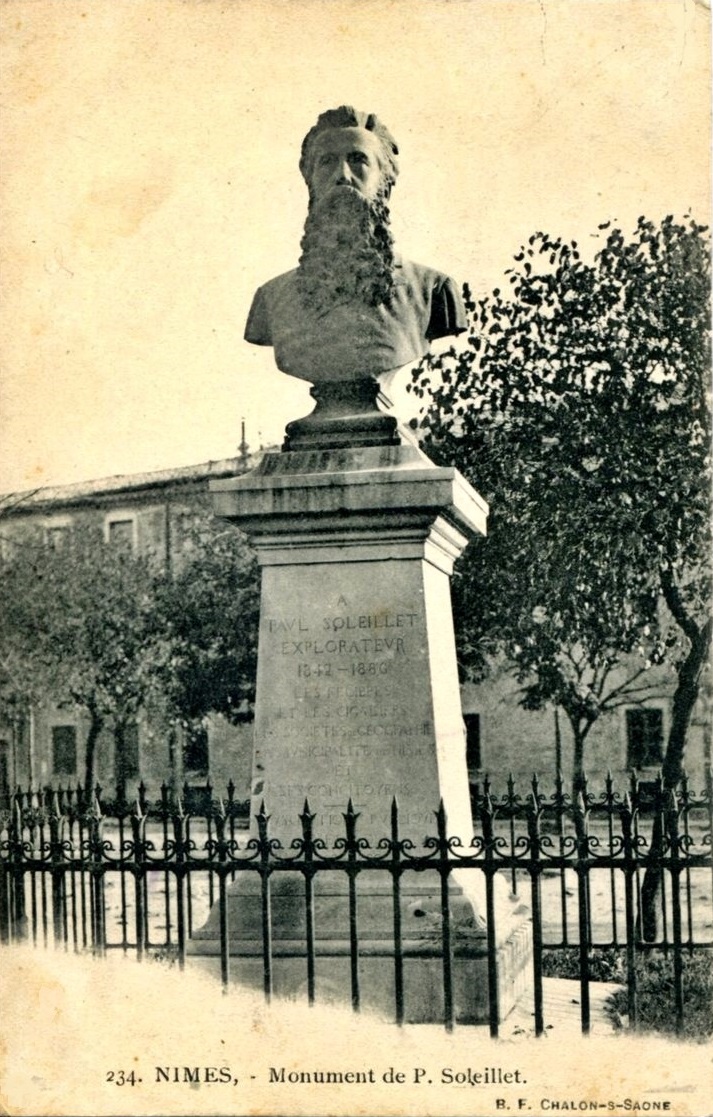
354,339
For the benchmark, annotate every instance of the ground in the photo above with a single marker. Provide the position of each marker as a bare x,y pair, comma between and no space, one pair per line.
71,1023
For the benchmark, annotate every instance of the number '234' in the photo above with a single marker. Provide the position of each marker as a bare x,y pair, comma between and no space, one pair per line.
122,1077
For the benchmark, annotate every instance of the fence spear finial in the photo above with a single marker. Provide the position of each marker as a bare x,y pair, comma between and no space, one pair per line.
441,820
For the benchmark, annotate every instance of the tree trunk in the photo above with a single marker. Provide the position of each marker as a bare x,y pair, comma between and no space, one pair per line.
558,744
580,735
119,762
95,728
684,699
173,778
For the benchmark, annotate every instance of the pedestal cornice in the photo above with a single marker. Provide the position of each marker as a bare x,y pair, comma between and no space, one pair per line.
317,497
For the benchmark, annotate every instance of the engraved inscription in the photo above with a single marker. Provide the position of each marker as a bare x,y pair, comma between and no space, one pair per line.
342,720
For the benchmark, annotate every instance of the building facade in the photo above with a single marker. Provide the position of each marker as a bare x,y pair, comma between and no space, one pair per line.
504,738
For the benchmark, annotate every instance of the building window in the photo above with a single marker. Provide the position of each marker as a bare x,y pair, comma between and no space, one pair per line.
644,738
57,536
64,750
195,752
184,528
120,532
126,753
473,754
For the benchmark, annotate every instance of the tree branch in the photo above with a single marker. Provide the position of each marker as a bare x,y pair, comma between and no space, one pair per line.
627,687
672,597
627,697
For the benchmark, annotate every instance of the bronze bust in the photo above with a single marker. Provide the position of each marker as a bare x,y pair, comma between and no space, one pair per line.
353,308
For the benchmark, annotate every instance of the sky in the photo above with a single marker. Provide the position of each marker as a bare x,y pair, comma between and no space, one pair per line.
149,184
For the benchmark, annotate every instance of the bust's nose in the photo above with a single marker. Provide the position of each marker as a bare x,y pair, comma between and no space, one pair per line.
343,174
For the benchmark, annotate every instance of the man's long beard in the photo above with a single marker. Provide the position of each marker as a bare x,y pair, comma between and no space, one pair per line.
347,252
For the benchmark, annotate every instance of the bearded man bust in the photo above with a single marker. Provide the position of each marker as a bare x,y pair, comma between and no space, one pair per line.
352,309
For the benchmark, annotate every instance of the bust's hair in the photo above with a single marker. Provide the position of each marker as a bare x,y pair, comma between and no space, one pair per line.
347,117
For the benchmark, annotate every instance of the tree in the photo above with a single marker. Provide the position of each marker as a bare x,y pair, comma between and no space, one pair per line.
580,408
77,624
110,632
207,625
20,690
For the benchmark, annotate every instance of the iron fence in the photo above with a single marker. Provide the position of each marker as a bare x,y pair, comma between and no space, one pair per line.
99,875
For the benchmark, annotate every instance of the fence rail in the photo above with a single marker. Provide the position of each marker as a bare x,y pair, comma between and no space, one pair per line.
88,874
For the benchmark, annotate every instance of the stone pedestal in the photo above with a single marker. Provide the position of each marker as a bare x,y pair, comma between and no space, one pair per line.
357,688
358,700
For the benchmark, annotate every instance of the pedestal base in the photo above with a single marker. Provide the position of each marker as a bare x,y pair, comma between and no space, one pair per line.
347,415
372,921
422,979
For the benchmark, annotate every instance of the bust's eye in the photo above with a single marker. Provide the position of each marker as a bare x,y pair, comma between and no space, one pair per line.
325,159
358,157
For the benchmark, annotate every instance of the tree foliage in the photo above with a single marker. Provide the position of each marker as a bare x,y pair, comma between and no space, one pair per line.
207,611
77,623
108,632
580,408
